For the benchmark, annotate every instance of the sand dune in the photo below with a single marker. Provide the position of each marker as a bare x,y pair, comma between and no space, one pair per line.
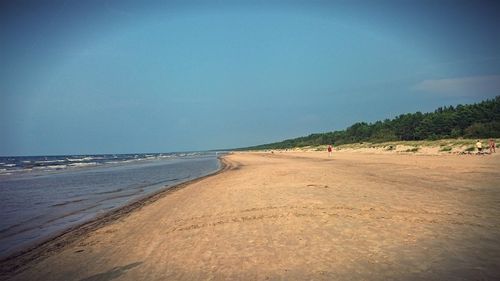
297,216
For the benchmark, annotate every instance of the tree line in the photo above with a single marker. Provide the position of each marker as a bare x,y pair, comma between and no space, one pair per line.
479,120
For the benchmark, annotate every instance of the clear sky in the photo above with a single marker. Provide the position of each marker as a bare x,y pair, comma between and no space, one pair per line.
83,77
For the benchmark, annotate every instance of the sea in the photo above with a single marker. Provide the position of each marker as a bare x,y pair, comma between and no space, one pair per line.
42,196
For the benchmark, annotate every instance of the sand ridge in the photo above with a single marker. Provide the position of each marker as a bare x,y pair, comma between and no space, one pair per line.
303,215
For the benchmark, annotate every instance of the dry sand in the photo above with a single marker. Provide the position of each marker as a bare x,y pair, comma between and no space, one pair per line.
298,216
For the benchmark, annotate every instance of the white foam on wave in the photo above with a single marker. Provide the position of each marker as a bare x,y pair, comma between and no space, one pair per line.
50,161
51,167
9,165
165,156
80,159
83,164
113,162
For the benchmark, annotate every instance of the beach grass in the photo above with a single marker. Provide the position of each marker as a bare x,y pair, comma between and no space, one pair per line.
446,148
444,144
422,146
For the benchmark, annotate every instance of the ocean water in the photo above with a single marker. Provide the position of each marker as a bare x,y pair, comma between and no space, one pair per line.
44,195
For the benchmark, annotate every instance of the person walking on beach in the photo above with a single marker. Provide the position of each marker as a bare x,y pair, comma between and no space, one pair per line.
492,146
330,150
479,146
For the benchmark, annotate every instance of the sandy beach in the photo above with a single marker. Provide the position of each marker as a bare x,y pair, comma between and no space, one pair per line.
296,216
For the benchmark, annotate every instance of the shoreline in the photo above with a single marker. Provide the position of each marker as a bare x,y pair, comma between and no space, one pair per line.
298,216
13,263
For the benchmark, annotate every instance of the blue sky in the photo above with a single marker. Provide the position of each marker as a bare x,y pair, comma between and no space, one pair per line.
81,77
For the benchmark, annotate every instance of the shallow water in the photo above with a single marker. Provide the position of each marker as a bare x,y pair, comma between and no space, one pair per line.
36,206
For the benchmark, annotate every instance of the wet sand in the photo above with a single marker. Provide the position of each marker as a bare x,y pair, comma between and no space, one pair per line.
297,216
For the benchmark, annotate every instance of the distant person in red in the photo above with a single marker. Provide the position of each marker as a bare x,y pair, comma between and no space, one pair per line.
492,146
330,150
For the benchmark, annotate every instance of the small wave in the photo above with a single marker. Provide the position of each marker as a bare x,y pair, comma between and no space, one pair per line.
122,161
6,229
165,156
83,164
50,161
51,167
120,196
67,202
71,213
9,165
111,191
80,159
